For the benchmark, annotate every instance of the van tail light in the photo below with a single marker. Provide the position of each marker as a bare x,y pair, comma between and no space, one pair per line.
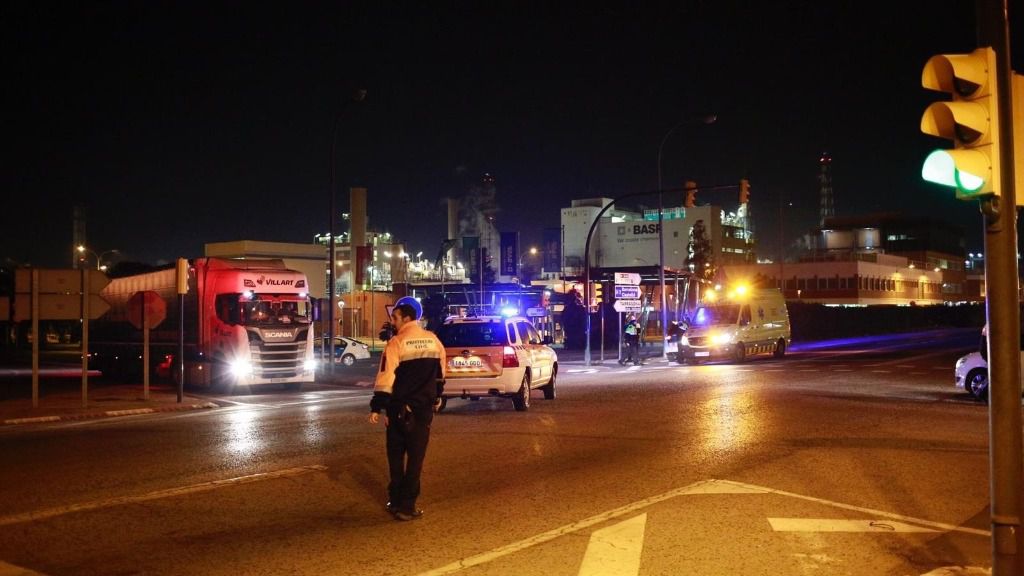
509,358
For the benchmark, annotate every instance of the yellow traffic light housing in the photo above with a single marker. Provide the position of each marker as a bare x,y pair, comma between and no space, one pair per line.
969,120
744,191
691,194
598,296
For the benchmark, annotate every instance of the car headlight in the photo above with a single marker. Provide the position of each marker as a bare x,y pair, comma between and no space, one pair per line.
309,365
722,338
241,368
960,362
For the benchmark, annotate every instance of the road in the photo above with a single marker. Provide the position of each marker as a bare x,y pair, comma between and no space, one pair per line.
854,460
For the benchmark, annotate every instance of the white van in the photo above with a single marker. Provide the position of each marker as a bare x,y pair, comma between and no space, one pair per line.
737,324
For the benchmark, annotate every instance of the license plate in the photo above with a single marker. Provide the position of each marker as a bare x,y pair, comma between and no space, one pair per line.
460,362
278,380
702,353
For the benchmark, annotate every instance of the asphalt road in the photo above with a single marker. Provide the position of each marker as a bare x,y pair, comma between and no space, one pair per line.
850,460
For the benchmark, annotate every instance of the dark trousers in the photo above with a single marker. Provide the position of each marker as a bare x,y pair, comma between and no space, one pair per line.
407,437
630,353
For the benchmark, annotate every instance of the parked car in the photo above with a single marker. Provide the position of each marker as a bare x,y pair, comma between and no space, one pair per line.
347,350
496,356
972,375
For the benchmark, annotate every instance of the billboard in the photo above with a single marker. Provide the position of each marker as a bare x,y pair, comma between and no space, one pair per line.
509,253
552,249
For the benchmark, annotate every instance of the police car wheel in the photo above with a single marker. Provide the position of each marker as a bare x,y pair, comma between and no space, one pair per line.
348,359
549,388
521,400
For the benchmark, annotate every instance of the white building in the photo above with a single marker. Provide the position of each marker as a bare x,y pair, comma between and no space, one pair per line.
628,239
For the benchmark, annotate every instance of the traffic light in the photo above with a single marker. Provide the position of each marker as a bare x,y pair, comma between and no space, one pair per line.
970,120
691,194
744,191
596,293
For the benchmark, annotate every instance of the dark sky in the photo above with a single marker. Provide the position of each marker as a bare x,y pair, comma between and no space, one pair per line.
177,124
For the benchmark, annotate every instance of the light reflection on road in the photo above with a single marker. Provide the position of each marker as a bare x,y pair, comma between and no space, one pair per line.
728,417
243,435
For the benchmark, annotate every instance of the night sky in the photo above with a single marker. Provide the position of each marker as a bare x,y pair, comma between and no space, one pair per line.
177,124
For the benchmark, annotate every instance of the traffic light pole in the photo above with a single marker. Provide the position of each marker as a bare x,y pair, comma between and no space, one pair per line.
1003,315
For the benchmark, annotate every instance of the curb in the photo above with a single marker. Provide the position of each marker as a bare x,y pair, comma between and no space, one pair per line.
109,414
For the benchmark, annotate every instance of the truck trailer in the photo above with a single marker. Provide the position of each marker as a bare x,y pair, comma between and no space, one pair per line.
245,323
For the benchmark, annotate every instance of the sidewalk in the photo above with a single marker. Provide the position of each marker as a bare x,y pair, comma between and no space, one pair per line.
63,402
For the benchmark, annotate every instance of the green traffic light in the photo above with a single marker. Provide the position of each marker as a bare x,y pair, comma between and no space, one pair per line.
940,167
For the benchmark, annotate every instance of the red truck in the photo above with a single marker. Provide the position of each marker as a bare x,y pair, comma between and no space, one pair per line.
246,323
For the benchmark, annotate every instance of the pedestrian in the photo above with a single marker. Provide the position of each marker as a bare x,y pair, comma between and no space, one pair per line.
408,389
630,339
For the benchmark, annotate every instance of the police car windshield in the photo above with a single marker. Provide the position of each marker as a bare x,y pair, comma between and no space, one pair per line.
713,314
465,334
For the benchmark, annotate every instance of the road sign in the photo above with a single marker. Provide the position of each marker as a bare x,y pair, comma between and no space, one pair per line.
627,278
631,292
59,307
59,280
146,305
536,312
628,305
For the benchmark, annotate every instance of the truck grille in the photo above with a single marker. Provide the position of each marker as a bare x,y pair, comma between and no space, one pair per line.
278,360
697,340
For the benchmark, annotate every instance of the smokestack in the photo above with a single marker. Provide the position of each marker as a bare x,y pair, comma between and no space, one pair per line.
453,223
357,219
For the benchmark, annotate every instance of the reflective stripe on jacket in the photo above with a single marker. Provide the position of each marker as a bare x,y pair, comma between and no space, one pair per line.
411,371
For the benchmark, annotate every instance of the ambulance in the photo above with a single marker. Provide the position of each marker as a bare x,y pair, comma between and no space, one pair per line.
736,323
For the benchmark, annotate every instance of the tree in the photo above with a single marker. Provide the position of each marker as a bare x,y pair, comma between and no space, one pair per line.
700,258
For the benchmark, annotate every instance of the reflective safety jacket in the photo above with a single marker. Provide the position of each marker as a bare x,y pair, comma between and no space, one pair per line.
411,371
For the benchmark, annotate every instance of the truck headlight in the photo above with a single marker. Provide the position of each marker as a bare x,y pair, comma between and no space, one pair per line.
241,368
309,365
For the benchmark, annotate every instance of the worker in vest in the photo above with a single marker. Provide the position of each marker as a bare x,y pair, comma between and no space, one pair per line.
408,389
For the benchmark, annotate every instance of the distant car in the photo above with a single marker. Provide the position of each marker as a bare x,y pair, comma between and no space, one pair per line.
496,356
347,350
972,375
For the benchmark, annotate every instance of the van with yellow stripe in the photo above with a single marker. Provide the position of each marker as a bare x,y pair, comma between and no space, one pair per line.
737,324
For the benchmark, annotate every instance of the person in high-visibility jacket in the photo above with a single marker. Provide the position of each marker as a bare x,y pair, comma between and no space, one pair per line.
408,389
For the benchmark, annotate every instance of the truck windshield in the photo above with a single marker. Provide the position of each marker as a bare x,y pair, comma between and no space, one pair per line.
273,312
716,314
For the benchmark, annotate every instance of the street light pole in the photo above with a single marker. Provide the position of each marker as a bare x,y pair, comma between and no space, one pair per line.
358,96
661,233
99,257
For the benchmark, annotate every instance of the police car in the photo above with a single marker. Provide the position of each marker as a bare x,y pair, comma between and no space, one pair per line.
496,356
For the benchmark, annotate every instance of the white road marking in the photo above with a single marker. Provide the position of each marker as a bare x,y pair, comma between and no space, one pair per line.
842,525
615,550
496,553
868,511
12,570
702,487
121,500
581,371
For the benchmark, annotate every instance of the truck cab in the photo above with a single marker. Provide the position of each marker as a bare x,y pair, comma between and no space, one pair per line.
736,324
